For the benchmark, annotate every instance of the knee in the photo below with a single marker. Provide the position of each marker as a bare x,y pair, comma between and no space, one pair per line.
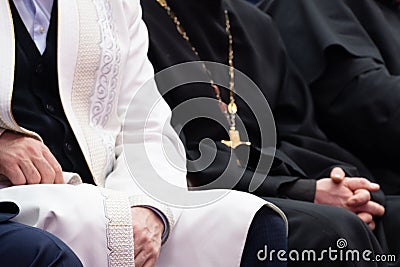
329,225
322,225
55,252
28,246
268,229
342,223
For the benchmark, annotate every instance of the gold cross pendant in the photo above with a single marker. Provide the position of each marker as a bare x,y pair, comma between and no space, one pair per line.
163,3
235,141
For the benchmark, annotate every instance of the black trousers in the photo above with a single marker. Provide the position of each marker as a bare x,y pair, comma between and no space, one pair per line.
320,227
390,227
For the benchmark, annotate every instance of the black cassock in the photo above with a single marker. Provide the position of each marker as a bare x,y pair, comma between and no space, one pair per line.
349,53
303,152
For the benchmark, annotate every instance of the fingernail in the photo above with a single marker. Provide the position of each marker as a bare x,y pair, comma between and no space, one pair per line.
374,185
351,201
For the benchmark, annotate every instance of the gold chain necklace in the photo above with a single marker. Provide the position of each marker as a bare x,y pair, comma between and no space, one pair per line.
230,111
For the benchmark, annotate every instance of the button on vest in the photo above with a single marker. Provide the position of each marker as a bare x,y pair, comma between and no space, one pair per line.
36,103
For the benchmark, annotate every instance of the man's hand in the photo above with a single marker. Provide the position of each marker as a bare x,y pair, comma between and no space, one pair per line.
24,160
147,230
350,193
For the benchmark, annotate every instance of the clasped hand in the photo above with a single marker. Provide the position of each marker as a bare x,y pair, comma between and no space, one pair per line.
351,193
25,160
147,231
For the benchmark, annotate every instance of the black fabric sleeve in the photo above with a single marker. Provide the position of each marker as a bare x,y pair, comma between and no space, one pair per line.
361,94
218,168
301,189
315,25
299,135
348,53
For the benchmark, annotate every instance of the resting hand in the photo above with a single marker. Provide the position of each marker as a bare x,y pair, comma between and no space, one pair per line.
147,231
24,160
337,175
368,219
350,193
361,188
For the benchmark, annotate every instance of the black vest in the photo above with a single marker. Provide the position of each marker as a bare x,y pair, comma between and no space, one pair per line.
36,103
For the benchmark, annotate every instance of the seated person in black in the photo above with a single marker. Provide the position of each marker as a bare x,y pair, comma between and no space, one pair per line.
349,54
303,172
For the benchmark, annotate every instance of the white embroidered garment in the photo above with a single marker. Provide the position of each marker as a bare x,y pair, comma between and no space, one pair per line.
102,238
93,221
